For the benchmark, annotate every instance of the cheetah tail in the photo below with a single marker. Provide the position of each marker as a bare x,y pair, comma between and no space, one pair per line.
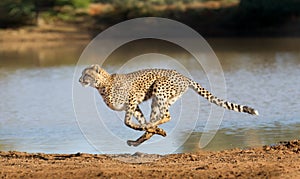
225,104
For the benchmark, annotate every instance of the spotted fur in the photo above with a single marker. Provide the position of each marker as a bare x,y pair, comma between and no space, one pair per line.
124,92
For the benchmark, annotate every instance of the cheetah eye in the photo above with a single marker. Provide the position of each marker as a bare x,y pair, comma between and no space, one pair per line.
98,69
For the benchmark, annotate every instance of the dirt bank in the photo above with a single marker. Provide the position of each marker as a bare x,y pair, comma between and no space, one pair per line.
56,32
280,161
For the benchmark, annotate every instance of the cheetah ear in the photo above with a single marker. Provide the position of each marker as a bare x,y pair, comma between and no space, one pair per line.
96,67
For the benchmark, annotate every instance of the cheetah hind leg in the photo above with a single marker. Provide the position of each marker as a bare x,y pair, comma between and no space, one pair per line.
159,115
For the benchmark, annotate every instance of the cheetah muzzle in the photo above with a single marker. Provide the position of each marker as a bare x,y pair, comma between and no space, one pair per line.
124,92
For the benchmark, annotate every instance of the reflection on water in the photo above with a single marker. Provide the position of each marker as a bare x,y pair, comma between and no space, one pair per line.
36,110
244,137
39,54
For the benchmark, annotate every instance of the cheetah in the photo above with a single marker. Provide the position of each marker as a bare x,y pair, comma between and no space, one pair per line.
124,92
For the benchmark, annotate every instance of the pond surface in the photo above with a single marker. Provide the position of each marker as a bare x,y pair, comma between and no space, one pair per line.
37,114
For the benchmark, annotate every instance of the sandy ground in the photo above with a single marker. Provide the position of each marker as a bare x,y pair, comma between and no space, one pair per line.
279,161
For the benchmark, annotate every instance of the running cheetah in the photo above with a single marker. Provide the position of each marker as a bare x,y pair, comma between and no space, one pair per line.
124,92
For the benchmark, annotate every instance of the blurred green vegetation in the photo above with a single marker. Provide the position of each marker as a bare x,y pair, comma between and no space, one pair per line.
228,17
212,15
190,12
14,13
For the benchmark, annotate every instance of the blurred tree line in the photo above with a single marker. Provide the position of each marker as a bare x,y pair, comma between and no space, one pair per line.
250,12
158,2
20,12
245,17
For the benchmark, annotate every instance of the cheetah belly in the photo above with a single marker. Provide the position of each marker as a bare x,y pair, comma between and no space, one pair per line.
114,104
118,106
118,101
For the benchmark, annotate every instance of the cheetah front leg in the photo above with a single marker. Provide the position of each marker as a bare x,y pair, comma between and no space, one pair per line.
128,122
142,121
147,135
156,114
134,110
139,116
141,127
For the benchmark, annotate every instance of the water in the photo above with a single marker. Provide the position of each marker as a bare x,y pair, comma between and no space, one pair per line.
37,114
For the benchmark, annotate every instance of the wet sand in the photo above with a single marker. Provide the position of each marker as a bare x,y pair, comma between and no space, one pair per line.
278,161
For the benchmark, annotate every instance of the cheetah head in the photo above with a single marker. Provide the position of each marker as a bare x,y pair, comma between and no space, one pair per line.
93,76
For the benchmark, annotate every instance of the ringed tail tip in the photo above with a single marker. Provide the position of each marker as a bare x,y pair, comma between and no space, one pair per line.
249,110
256,113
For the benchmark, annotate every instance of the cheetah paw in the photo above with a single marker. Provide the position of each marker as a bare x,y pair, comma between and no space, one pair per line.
133,143
157,130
